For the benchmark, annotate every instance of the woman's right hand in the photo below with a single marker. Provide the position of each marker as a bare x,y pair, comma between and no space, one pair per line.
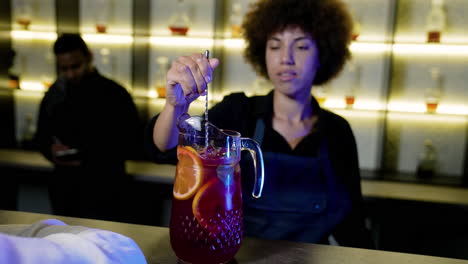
188,78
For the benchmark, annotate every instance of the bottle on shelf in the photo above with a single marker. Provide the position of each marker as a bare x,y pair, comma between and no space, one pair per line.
47,77
434,92
236,20
107,61
356,29
12,70
356,22
29,130
102,13
354,72
435,23
162,64
24,13
427,161
19,69
179,22
13,81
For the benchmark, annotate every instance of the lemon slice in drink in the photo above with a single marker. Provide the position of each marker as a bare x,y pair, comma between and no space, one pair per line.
188,173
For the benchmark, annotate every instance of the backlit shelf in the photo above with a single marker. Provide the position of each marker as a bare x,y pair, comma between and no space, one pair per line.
398,110
430,49
26,35
237,43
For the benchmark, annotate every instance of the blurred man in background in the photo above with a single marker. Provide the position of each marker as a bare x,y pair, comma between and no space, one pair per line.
87,126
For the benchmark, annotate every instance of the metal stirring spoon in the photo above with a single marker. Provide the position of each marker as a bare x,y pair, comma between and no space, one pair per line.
207,56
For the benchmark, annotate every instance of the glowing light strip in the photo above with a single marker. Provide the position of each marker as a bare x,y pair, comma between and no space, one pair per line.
359,114
359,105
362,47
406,107
446,39
32,86
30,35
108,39
426,117
401,107
181,41
236,43
431,49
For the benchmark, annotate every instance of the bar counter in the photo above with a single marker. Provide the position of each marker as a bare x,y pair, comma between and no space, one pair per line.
154,242
164,174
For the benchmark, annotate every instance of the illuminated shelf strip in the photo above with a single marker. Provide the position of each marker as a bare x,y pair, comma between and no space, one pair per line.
108,39
359,105
430,49
237,43
443,118
33,35
32,86
91,38
371,106
406,107
181,41
361,47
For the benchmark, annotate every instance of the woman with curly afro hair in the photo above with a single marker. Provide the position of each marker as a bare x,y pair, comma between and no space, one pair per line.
312,189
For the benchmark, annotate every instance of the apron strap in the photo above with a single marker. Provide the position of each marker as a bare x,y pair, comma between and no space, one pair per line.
259,131
322,155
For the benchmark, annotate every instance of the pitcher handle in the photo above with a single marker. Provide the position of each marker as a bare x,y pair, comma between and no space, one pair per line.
254,150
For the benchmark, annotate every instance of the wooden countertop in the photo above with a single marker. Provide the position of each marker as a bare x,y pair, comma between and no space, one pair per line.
155,244
159,173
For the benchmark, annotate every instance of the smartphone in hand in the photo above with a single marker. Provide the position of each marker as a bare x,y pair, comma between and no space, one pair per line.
68,154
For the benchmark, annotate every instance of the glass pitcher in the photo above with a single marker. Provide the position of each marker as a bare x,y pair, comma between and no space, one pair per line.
206,221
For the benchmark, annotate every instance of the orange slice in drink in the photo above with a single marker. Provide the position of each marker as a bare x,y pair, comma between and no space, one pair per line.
188,173
213,202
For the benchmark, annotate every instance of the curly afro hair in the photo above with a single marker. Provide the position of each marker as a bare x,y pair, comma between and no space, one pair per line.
327,21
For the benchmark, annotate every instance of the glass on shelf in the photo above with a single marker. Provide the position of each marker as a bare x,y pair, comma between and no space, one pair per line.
434,92
350,99
320,94
356,30
18,70
47,81
29,130
436,20
47,78
427,161
356,22
102,14
13,83
162,64
236,20
179,22
24,13
106,61
354,72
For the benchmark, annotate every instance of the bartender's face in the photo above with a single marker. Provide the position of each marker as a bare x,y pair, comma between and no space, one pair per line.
74,65
292,61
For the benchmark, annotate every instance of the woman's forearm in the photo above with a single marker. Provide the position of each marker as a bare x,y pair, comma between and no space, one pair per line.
165,131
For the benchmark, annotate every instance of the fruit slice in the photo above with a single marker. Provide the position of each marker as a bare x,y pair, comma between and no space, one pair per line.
188,173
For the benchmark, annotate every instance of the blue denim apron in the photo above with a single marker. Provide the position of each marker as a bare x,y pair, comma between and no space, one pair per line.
302,199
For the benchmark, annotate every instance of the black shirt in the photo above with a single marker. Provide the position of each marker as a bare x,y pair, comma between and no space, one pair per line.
98,117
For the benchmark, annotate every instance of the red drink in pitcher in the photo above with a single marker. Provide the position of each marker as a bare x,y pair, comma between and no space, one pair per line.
206,221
